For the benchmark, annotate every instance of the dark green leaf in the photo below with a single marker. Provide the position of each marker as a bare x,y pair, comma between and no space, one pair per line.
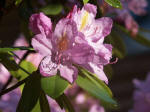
96,87
114,3
44,105
108,71
54,86
118,44
142,40
64,102
52,9
139,37
8,61
8,49
85,1
30,94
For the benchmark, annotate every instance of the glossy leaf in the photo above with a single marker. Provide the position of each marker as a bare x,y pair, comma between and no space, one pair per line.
44,105
114,3
52,9
30,94
85,1
54,86
96,88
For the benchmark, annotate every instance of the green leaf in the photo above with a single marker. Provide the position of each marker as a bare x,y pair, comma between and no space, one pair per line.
108,71
64,102
52,9
54,86
114,3
118,44
28,66
44,105
18,2
8,49
96,87
30,94
37,107
85,1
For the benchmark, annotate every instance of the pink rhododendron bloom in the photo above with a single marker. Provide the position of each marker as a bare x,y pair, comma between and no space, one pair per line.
59,48
93,31
142,95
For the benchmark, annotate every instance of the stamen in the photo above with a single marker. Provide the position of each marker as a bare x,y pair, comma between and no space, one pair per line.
63,43
84,20
113,62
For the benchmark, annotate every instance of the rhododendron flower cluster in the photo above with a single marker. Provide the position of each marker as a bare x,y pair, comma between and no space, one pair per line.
76,40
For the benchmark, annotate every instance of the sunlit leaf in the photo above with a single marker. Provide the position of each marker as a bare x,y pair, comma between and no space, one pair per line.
54,86
8,49
30,94
28,66
52,9
114,3
96,88
85,1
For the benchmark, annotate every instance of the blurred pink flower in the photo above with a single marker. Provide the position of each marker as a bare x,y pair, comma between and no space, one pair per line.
123,15
54,106
142,95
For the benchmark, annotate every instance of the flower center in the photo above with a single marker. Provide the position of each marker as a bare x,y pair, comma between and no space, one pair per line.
63,43
84,20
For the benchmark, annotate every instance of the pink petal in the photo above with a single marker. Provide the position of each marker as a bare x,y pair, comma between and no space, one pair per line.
105,25
41,44
48,67
67,29
68,72
90,8
98,70
39,23
81,53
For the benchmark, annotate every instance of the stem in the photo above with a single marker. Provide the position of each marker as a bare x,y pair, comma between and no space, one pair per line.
13,87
